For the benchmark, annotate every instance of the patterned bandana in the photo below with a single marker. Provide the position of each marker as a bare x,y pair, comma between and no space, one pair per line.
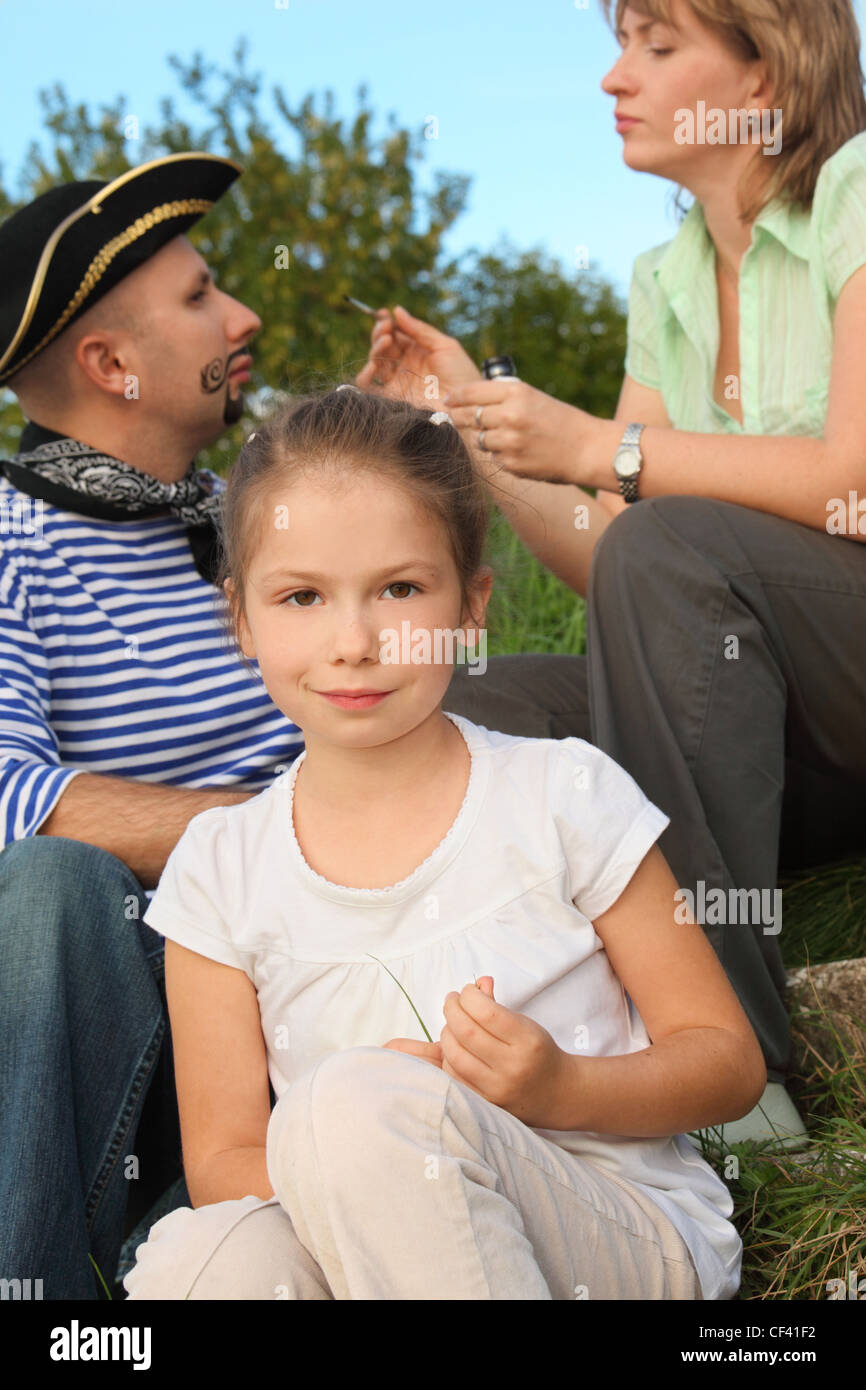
81,479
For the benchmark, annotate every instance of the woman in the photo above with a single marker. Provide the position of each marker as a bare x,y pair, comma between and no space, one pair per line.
726,614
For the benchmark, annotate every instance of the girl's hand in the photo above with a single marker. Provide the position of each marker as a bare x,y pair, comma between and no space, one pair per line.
432,1052
413,360
506,1057
527,432
429,1052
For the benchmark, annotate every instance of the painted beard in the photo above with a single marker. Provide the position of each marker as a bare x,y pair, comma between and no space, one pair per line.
233,408
215,375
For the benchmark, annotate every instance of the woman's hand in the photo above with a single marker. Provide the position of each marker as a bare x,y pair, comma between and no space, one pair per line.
531,434
413,360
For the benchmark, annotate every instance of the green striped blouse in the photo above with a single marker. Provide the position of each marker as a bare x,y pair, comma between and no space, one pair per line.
790,279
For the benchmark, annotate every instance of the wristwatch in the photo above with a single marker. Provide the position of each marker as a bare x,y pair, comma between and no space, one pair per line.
628,462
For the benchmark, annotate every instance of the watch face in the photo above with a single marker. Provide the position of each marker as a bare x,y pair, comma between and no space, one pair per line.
628,464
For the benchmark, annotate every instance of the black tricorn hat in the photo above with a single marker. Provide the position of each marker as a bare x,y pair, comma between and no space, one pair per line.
71,245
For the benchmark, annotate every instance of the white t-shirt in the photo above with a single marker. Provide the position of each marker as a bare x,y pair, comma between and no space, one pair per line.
549,833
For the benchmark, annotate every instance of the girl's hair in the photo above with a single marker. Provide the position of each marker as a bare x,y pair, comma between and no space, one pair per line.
812,52
344,433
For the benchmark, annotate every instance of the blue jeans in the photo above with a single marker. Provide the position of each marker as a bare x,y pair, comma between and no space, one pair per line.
82,1022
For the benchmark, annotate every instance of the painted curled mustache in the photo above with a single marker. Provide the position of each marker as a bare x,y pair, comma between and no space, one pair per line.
214,375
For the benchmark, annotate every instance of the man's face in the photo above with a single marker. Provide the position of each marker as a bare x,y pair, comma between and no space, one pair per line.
190,347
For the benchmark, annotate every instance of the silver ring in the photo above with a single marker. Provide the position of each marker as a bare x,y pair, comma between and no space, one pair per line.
481,443
478,410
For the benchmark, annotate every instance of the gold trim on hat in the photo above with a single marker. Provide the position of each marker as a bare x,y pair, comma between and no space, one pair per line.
101,261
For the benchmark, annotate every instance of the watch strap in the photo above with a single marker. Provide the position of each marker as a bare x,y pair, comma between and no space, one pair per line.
630,440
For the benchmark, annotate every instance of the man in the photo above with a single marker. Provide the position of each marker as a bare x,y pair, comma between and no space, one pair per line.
124,711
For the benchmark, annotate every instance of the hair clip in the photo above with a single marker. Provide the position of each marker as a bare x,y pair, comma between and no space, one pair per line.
440,418
251,436
347,386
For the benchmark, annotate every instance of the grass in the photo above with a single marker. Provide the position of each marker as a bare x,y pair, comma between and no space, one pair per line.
101,1278
801,1216
397,982
530,610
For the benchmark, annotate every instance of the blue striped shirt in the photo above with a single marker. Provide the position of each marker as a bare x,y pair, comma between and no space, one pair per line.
113,660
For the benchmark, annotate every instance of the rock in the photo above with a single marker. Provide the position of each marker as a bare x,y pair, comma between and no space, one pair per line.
825,1160
823,1000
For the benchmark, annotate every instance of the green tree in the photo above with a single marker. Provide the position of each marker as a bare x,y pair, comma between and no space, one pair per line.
340,214
566,335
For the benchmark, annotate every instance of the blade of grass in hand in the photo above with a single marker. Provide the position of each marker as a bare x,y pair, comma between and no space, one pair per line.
397,982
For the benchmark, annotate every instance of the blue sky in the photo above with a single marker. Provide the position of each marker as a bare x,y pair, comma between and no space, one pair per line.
514,87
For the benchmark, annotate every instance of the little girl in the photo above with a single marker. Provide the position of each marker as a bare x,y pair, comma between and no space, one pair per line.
412,867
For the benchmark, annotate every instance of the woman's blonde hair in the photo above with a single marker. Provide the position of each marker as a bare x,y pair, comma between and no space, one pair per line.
812,52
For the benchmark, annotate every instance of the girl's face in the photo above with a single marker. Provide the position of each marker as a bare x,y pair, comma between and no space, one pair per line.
664,70
335,572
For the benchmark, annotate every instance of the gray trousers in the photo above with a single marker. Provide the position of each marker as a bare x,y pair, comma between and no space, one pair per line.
726,672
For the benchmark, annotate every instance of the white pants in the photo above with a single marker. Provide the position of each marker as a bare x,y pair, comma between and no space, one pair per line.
394,1181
